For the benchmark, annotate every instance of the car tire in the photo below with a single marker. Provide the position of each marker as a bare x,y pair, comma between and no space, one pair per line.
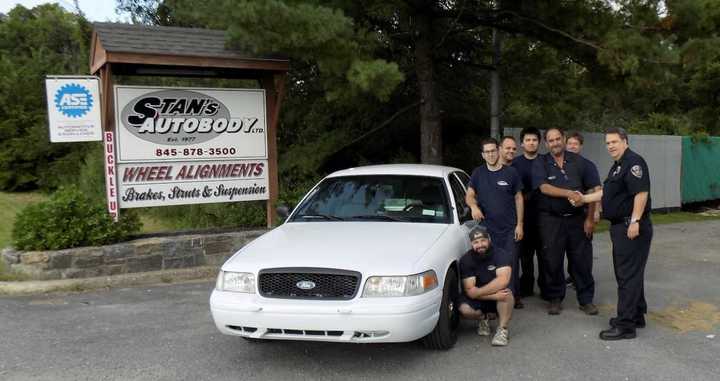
444,335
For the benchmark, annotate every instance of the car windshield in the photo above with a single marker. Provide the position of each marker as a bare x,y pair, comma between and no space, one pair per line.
377,198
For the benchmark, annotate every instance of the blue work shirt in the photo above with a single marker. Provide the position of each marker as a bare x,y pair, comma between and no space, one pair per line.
576,174
524,166
495,194
627,177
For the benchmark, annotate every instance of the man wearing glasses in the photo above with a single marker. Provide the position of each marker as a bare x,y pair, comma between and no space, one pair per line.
494,195
559,175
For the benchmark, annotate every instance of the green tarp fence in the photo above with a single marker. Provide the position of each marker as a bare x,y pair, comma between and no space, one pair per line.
700,169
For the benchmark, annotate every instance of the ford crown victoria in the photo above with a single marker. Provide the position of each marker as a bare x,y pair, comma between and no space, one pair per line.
370,254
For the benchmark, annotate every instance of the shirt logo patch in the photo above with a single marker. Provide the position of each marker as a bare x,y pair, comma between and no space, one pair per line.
636,171
552,177
491,268
502,183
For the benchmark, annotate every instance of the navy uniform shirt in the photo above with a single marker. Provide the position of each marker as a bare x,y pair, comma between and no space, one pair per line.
524,167
627,177
595,175
495,194
483,268
575,175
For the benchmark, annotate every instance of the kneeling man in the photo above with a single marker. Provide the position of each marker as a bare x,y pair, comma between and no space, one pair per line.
486,273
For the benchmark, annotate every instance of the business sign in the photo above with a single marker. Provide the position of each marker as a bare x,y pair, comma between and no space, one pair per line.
73,105
180,146
192,182
110,175
180,124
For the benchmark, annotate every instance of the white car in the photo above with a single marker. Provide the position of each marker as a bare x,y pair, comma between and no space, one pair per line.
369,255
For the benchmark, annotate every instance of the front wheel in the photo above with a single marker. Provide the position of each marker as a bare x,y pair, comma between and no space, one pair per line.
444,335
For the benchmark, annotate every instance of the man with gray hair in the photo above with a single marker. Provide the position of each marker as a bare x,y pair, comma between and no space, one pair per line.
626,204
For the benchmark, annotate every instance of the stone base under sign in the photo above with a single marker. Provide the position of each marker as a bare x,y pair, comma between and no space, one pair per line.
146,254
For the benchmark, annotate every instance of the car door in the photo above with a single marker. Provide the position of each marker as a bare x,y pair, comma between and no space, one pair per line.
463,217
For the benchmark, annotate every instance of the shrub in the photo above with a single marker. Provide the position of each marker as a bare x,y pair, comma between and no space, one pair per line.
69,218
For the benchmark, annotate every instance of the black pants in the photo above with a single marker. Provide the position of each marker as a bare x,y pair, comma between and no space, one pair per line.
629,259
528,247
560,235
589,248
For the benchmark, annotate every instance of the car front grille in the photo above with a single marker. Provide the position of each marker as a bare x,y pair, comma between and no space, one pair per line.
309,283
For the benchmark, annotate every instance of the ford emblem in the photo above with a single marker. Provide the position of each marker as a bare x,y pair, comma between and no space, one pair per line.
305,285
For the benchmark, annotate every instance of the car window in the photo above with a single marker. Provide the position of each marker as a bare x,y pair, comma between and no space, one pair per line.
458,190
377,198
464,178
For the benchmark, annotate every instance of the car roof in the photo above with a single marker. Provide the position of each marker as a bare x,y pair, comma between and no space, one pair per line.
398,169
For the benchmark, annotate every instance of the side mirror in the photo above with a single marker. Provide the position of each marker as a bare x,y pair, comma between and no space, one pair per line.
283,211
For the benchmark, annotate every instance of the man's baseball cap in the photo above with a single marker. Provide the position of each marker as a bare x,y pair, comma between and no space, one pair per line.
479,231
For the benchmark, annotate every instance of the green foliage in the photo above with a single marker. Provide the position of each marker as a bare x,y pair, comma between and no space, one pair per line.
317,35
661,124
33,43
68,219
205,216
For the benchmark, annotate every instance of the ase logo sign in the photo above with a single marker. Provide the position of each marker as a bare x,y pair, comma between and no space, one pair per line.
73,100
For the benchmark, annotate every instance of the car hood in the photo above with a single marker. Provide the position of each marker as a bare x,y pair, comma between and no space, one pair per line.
372,248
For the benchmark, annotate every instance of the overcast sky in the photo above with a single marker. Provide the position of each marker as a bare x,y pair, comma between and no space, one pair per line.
95,10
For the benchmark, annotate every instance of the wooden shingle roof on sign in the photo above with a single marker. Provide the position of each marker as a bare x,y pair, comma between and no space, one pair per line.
172,46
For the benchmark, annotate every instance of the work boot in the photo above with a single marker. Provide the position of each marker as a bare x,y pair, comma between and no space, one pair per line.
555,307
501,337
617,333
639,323
483,328
589,309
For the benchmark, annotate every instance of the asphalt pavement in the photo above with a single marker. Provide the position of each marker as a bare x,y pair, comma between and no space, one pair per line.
165,332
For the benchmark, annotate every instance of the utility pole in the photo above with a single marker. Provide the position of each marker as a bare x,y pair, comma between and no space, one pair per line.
495,86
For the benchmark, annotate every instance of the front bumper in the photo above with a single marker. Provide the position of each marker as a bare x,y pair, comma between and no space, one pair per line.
398,319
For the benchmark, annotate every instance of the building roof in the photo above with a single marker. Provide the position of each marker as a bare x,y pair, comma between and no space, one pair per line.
125,43
133,38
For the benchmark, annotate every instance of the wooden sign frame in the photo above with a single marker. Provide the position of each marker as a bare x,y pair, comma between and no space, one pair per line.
142,50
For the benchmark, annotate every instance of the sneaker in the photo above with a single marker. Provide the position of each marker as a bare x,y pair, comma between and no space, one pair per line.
501,337
589,309
555,307
483,328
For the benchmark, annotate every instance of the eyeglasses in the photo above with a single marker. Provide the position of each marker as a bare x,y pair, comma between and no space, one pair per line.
490,151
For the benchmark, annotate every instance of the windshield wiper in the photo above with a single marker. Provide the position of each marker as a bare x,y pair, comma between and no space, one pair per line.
321,216
378,217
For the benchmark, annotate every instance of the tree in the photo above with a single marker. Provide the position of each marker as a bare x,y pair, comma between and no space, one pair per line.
33,43
640,64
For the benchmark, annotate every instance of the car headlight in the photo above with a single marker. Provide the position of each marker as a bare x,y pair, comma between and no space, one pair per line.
383,286
235,282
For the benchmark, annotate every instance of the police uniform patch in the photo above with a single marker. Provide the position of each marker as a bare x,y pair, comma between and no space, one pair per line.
636,171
